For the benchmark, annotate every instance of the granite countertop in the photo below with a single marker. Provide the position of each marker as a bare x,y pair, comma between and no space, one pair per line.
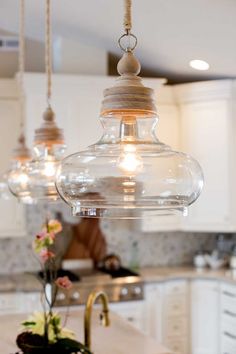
119,338
27,282
159,274
19,282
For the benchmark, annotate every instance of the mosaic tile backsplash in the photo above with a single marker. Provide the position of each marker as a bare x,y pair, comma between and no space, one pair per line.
145,249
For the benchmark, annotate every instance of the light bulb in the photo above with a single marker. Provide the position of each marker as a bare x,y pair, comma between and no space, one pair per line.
49,169
23,179
129,161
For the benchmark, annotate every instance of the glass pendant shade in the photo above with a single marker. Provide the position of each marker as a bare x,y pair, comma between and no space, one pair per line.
4,190
129,173
35,180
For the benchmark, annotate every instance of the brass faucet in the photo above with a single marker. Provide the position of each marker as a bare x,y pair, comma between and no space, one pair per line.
104,316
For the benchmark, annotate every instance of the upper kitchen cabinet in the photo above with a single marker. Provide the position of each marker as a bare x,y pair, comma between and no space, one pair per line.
12,221
207,128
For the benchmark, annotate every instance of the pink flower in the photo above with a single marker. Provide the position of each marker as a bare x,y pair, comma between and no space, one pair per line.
41,235
45,255
64,283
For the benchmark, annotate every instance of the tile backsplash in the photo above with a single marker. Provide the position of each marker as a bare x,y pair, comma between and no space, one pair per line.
148,249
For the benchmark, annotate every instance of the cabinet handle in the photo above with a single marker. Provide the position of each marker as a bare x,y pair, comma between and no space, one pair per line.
227,293
130,319
227,312
230,335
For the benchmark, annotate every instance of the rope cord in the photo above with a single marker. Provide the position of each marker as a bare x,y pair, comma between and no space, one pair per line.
127,16
21,63
48,53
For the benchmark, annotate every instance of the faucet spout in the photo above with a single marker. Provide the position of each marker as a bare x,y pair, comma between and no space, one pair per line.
104,315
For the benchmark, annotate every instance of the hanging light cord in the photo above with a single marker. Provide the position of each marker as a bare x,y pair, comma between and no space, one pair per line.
128,37
48,53
127,16
21,63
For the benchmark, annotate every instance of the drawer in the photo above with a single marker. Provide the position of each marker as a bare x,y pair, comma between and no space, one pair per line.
177,345
176,326
228,304
228,291
176,305
228,345
175,287
10,303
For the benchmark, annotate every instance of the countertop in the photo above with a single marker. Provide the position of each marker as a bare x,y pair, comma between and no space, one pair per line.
160,274
29,283
119,338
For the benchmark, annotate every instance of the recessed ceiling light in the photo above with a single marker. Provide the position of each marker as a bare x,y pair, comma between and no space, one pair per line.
198,64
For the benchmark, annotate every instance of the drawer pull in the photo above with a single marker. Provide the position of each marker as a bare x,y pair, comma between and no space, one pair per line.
230,335
227,293
227,312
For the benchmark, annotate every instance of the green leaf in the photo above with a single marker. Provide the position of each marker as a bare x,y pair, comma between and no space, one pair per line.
28,323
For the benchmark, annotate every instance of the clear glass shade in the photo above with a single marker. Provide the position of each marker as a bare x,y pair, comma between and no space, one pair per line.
129,173
4,190
34,180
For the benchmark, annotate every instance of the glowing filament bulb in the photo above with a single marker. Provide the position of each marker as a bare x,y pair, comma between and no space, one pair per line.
129,161
49,169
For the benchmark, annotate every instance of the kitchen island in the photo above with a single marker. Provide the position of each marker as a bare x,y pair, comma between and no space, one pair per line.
119,338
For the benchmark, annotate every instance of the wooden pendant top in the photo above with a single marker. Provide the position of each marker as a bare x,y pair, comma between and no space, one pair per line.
129,95
49,133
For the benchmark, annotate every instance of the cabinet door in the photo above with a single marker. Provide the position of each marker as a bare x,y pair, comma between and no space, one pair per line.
153,311
12,220
205,136
176,316
132,311
205,317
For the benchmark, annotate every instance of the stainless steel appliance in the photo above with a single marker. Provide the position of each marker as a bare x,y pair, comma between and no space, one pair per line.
119,287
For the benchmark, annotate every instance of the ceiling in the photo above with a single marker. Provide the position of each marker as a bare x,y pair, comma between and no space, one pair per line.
170,32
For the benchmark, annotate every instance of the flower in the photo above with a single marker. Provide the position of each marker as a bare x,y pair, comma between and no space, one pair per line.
36,325
45,255
43,240
64,283
44,330
53,226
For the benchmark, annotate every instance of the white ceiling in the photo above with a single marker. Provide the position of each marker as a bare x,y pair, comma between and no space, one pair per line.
170,32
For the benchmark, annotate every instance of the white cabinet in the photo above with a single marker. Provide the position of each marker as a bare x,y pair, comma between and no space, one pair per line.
132,311
12,221
153,293
19,302
176,316
167,314
228,319
204,126
208,134
205,317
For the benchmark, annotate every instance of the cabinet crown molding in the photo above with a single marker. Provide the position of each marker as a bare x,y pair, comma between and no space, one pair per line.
203,91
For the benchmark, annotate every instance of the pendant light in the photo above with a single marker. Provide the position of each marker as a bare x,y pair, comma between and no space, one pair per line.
49,147
129,173
21,155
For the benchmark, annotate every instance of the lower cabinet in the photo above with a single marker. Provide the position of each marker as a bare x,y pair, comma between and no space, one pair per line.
228,319
167,314
153,293
19,302
132,311
175,314
205,317
184,315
